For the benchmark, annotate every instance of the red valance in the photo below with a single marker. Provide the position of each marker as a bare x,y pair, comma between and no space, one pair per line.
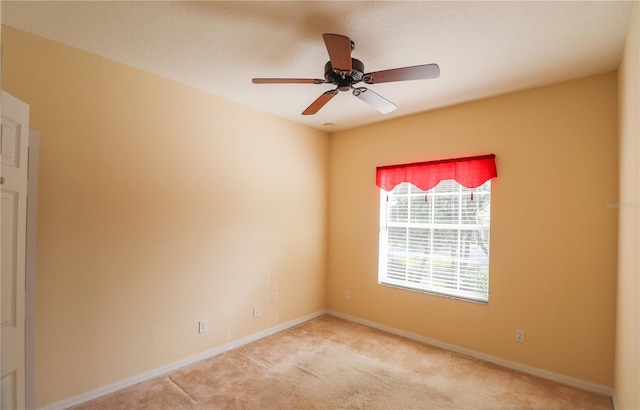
470,172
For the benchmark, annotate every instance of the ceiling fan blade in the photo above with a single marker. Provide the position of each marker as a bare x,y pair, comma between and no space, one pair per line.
418,72
320,102
376,101
339,48
287,81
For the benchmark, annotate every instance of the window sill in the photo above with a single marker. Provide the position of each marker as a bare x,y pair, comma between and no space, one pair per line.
435,293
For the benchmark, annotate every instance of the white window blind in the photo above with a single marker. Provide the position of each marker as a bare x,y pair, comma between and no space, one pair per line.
437,240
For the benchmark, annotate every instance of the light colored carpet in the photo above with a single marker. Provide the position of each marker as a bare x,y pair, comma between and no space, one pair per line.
330,363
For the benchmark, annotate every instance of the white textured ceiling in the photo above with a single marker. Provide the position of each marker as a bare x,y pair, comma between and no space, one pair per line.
482,48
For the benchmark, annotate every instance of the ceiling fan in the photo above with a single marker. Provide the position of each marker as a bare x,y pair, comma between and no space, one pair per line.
344,72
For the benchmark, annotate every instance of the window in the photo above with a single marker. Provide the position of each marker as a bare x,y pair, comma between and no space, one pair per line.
436,239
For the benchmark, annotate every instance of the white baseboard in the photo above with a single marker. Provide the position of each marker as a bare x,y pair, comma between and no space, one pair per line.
130,381
534,371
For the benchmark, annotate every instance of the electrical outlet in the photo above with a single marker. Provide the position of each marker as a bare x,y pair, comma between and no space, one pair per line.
202,326
346,295
256,311
519,336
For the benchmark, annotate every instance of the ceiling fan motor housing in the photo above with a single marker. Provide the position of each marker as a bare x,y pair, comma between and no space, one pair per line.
344,83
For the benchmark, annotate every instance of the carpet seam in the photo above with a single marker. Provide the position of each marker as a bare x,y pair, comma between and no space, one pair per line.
193,401
255,359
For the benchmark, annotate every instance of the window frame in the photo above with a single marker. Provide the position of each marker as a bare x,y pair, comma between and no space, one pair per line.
385,277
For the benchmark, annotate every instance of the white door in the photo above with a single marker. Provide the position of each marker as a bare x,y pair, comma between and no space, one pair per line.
14,143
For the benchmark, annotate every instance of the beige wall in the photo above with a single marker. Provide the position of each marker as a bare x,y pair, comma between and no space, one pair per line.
627,374
160,205
553,239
